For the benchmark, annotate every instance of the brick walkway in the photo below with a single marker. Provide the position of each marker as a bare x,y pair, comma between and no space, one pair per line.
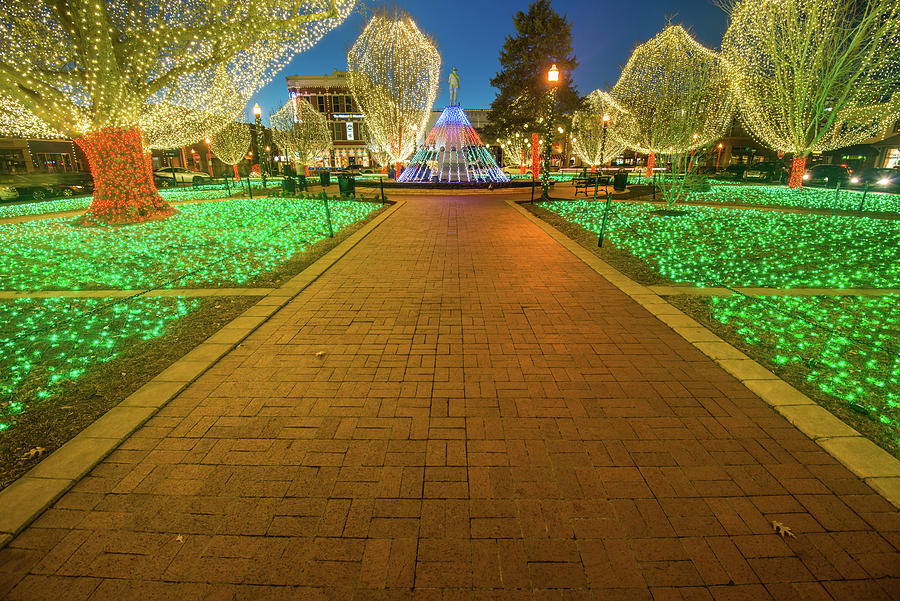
490,420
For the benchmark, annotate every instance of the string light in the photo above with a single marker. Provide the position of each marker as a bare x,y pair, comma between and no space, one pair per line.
587,129
394,70
671,89
217,243
813,75
300,131
453,152
112,72
231,143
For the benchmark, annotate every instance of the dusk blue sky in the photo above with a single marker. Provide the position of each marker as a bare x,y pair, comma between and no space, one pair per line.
470,34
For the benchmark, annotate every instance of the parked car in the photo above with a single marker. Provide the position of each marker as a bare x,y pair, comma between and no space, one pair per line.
879,179
74,184
827,176
171,176
29,187
732,172
8,193
767,171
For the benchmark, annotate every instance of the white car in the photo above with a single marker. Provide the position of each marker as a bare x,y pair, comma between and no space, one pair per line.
8,193
170,176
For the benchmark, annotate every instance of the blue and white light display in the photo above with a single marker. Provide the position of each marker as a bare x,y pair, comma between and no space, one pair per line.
453,153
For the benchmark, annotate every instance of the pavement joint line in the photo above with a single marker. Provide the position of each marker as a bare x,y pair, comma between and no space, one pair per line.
857,453
187,292
31,494
674,290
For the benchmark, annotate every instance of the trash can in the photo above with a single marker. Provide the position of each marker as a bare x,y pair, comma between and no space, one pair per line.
288,186
347,185
620,181
325,178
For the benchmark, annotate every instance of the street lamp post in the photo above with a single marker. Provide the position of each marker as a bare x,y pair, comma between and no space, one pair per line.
257,117
603,141
553,82
208,157
719,156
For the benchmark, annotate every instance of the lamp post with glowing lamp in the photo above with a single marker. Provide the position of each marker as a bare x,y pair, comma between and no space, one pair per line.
603,141
553,82
719,155
257,118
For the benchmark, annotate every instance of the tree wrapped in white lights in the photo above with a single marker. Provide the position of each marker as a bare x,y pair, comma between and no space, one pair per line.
379,153
592,141
394,72
106,71
516,149
231,144
300,131
814,75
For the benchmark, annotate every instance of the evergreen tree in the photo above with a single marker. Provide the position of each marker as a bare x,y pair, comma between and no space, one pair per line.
543,37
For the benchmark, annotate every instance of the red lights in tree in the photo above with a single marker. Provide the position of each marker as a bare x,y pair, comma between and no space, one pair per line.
798,168
124,191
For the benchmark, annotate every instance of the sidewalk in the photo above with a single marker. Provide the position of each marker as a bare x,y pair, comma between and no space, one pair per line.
461,409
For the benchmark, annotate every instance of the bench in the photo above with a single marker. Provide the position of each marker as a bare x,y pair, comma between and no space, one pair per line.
587,184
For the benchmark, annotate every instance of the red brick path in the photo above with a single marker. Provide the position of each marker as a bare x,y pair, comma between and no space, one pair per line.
490,420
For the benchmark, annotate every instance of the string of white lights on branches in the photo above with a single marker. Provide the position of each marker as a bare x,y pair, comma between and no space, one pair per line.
814,75
675,95
127,74
587,129
231,143
394,71
300,131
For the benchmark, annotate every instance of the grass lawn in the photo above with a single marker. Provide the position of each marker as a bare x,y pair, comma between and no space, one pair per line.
712,246
66,361
214,244
840,350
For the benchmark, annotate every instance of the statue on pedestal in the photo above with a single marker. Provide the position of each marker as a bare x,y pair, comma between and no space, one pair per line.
454,87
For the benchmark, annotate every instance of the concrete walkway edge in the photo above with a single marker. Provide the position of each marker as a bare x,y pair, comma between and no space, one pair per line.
24,500
875,466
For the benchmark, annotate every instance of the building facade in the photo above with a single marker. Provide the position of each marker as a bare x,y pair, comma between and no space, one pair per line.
20,156
331,96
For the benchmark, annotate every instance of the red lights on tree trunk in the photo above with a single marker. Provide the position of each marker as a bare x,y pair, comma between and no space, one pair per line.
124,191
535,155
798,168
651,163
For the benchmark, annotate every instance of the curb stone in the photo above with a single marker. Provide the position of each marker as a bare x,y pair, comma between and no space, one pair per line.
36,490
864,458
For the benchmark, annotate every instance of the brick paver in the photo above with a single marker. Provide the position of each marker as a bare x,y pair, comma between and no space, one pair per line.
460,409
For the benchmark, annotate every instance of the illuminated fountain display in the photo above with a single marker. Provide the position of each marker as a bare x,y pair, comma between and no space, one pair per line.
453,153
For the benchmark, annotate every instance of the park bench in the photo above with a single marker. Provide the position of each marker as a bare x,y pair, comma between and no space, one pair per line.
586,184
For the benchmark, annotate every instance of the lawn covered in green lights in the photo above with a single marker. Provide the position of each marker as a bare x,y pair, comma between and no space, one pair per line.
48,341
713,246
215,244
844,346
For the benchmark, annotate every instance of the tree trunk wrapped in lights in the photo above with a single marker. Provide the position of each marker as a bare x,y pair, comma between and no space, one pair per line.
394,71
300,131
677,101
231,144
814,75
120,77
588,139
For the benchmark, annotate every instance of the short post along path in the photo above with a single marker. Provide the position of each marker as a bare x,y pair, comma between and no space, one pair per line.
461,409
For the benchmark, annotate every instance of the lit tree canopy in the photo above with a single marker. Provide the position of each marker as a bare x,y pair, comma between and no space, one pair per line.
814,75
394,72
231,143
676,94
108,70
587,129
300,131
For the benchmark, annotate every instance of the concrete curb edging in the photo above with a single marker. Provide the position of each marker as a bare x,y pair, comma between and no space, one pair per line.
24,500
875,466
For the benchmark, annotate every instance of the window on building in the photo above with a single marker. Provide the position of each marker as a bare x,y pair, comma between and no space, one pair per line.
340,130
348,103
12,161
320,103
